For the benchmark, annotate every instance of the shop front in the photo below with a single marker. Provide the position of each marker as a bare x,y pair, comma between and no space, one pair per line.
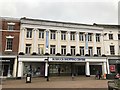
61,66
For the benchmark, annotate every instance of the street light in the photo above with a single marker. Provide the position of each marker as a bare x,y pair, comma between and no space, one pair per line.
47,62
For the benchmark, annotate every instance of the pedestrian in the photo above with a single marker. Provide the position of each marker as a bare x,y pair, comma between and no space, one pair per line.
99,75
72,76
96,76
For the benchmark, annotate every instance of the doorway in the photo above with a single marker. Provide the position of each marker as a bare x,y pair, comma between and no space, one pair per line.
5,68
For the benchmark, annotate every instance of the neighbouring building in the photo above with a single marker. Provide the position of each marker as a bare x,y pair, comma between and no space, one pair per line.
66,48
112,46
9,44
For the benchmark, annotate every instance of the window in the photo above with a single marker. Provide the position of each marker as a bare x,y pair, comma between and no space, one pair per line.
72,36
90,51
41,34
111,36
97,37
81,38
98,51
63,50
9,43
29,33
118,36
10,27
28,49
112,51
82,51
52,35
63,35
89,37
40,49
72,50
52,49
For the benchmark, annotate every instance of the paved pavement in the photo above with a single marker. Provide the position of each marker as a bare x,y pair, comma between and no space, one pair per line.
57,82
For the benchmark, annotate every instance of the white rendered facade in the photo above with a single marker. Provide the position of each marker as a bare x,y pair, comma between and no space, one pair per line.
59,40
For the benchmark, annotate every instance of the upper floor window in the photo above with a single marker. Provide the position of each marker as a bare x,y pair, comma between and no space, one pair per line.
53,35
81,37
72,36
89,37
10,27
52,49
97,37
9,43
72,50
40,49
63,50
63,35
118,36
112,50
82,51
28,49
98,51
41,34
90,51
29,33
111,36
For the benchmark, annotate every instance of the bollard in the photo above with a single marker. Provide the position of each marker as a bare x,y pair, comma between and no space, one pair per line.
28,78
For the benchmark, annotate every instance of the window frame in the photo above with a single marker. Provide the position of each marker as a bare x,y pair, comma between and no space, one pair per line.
52,49
72,49
29,33
110,36
28,48
63,50
63,35
112,52
82,51
53,35
41,34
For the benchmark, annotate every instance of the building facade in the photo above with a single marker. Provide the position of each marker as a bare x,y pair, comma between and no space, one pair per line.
69,48
112,46
9,45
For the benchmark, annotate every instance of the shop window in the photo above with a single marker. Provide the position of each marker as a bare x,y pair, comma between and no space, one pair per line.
9,43
63,50
63,35
110,36
52,49
28,49
41,34
29,33
112,50
82,51
118,36
72,50
72,36
98,51
40,49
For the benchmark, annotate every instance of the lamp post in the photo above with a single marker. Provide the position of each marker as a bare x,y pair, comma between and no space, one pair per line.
47,63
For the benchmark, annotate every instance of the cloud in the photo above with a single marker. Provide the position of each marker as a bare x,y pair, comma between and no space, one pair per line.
82,12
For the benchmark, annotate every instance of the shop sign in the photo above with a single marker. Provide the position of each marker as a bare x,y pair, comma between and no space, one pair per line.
112,68
4,60
69,59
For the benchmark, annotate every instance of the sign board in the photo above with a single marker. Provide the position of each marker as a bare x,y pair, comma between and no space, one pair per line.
68,59
112,68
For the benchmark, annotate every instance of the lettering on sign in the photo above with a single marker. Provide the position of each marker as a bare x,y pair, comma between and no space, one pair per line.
69,59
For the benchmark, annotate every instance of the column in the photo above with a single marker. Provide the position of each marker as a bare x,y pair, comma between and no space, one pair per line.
15,68
87,69
22,38
47,41
68,42
20,69
95,48
108,68
102,42
104,68
77,43
58,42
35,41
86,43
46,69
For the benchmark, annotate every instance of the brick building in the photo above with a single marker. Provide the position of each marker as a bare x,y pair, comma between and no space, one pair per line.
9,32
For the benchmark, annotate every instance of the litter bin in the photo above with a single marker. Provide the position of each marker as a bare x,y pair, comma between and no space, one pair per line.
28,78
